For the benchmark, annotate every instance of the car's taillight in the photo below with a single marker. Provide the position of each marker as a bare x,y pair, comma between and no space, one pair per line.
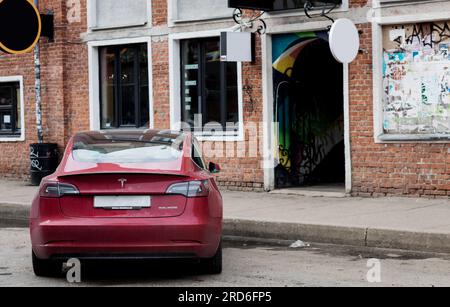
190,188
56,190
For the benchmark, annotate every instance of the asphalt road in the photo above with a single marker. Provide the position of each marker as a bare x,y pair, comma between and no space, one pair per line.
245,265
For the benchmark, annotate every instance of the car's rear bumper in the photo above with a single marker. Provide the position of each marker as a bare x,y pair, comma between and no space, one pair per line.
126,238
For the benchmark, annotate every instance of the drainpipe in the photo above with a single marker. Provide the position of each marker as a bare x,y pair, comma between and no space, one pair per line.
37,85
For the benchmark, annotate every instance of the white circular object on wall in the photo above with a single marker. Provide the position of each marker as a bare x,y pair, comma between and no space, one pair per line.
344,40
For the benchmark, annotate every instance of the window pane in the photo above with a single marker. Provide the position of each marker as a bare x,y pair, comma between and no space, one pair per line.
212,82
232,94
114,14
107,80
197,157
144,95
19,110
127,68
6,97
128,106
143,63
126,149
5,121
190,86
127,80
187,10
129,87
209,86
10,123
145,108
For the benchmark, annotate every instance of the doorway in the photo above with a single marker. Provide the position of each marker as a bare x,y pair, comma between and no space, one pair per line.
309,109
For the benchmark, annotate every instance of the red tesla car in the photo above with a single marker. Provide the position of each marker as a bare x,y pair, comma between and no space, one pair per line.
128,195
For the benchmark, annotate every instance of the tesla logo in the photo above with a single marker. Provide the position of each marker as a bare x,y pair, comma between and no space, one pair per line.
122,182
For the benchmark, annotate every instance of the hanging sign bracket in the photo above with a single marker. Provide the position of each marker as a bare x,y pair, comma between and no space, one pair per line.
326,10
253,22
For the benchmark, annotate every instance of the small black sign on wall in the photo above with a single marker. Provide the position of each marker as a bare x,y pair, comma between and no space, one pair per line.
48,26
263,5
278,5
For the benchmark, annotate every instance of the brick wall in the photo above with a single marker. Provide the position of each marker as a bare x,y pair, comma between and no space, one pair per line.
378,169
359,3
237,173
159,12
65,94
245,171
12,155
161,105
76,79
416,169
64,88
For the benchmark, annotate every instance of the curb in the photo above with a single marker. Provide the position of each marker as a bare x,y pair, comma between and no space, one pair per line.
365,237
16,215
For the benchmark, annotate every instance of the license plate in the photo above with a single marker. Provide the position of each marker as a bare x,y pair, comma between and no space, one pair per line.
122,202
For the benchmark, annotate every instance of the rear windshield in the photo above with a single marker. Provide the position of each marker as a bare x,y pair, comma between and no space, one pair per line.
119,150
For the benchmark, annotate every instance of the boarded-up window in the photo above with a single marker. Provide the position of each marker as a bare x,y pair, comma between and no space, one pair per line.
186,10
416,79
119,13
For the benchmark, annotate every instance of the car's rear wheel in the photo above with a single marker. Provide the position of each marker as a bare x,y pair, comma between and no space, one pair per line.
213,265
45,268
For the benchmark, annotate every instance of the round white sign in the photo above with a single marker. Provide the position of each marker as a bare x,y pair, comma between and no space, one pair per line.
344,40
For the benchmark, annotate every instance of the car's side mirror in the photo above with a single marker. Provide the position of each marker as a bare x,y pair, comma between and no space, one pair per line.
214,168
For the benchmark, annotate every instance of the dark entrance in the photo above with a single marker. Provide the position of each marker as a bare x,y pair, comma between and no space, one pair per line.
310,110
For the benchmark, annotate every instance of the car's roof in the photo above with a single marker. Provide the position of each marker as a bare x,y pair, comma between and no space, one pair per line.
130,135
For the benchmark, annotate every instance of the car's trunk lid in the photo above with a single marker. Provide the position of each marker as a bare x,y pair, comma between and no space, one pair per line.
131,196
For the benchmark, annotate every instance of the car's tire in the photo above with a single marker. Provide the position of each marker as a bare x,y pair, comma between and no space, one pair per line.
45,268
213,265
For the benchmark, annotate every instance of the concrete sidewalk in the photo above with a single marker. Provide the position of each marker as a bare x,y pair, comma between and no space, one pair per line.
403,223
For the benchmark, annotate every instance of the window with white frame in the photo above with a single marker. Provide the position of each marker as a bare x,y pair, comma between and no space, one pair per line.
124,86
107,14
416,79
191,10
209,87
10,109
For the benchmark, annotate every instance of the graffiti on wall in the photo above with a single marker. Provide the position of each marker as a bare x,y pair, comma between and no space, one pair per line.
310,120
416,79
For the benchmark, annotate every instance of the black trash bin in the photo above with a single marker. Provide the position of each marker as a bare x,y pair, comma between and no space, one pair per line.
44,161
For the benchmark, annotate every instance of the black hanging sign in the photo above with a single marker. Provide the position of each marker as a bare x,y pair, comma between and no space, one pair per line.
262,5
278,5
20,26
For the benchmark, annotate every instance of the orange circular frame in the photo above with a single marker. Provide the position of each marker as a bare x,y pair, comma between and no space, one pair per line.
38,35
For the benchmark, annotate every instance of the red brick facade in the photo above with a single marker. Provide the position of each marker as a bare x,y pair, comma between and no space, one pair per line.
415,169
64,88
377,169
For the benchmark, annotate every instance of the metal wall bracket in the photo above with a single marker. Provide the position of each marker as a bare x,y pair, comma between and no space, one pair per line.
254,22
326,10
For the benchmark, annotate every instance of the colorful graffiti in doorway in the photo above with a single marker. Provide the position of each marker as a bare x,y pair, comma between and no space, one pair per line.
416,79
309,119
286,48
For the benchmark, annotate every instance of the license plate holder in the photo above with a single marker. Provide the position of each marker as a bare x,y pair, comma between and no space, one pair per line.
122,202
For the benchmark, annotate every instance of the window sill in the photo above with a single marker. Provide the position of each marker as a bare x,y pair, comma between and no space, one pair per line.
413,138
123,129
116,27
202,137
11,139
204,19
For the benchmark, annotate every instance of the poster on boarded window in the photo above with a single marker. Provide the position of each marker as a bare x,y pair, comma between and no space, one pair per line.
416,79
